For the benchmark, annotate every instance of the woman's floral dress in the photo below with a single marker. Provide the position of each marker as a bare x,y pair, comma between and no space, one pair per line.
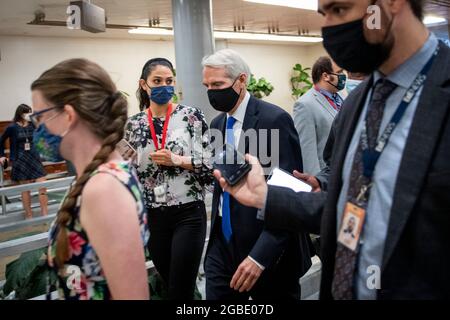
82,277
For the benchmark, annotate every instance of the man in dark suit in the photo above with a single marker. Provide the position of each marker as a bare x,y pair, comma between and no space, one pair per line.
243,258
400,185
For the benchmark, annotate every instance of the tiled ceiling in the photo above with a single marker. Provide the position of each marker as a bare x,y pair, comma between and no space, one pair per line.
228,15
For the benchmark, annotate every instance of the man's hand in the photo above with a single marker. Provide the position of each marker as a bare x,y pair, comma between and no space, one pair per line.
245,276
311,180
2,160
250,191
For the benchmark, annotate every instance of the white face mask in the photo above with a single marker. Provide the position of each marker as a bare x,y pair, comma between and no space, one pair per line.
352,84
26,117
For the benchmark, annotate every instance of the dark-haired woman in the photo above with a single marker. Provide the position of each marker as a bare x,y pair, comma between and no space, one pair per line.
25,161
96,244
173,166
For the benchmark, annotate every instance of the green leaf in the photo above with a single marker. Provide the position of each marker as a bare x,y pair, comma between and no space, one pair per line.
298,67
259,87
158,290
36,284
300,81
157,287
18,272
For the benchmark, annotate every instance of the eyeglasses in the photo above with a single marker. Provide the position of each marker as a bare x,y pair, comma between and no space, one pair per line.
36,117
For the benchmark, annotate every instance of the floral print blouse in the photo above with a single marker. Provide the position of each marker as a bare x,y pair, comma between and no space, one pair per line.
187,135
82,277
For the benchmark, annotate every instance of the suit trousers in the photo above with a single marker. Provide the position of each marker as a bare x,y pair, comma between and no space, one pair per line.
221,263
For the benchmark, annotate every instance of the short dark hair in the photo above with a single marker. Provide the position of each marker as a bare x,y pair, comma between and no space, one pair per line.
323,64
150,65
417,8
21,110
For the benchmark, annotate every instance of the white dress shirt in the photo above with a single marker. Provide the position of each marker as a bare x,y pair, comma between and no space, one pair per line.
239,115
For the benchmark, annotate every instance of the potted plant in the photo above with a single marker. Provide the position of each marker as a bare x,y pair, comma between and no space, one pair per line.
259,88
300,81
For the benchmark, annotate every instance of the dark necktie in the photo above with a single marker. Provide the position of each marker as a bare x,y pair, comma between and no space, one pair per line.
337,101
345,262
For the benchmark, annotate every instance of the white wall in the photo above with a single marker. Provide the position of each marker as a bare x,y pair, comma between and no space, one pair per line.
275,63
23,59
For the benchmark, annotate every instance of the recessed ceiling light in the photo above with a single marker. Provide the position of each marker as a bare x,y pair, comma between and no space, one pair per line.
264,37
152,31
234,35
431,20
299,4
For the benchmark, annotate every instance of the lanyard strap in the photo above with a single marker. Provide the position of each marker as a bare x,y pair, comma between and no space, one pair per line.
371,156
166,126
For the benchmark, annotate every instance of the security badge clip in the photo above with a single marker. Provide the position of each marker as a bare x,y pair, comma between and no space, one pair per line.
353,221
160,193
27,146
351,227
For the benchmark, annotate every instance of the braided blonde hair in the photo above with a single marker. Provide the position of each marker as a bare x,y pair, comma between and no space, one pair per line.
90,91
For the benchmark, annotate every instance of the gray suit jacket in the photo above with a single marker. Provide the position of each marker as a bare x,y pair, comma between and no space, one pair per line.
416,259
313,116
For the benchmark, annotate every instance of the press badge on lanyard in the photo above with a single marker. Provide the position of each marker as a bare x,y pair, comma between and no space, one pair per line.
27,146
353,220
355,213
160,191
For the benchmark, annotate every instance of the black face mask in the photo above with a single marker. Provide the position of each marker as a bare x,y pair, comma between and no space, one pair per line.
348,47
223,100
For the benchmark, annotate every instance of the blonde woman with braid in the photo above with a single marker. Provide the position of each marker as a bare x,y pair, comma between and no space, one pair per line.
96,244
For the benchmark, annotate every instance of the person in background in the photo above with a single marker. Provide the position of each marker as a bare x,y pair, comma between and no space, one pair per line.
354,79
173,166
315,111
25,161
320,180
96,244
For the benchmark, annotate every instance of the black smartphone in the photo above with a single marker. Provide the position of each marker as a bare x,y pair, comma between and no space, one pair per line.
232,164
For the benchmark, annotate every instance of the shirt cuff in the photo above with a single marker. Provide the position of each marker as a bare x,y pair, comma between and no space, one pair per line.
258,264
261,213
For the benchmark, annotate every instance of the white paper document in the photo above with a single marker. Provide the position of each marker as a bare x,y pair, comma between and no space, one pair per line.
280,178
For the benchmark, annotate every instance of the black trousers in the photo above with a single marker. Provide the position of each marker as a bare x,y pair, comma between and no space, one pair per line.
221,262
177,238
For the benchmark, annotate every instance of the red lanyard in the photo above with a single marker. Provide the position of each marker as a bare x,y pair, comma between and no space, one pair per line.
328,99
166,126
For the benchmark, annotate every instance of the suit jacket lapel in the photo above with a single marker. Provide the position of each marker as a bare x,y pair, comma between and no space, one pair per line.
348,129
346,124
324,102
419,149
221,124
250,121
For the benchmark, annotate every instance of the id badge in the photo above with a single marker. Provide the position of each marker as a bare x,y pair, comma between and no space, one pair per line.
27,146
160,193
351,226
